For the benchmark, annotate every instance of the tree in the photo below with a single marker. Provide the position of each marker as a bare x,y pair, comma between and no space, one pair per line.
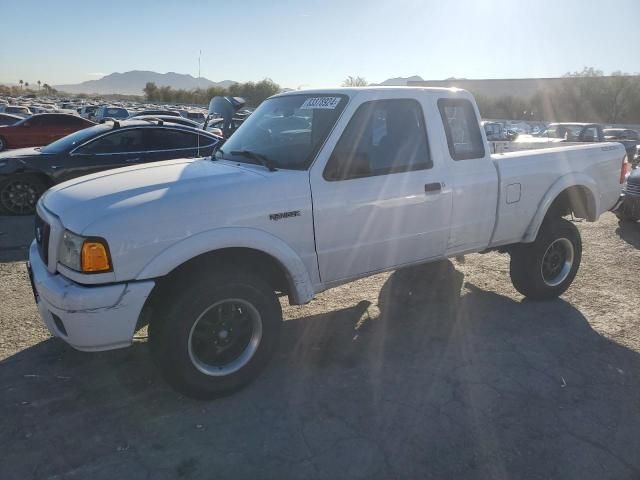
354,82
20,82
151,91
39,83
26,85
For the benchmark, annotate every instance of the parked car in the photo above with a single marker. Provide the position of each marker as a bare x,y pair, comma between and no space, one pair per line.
103,113
629,138
628,209
381,178
496,132
574,132
87,111
169,118
40,129
196,116
9,119
17,110
26,173
172,113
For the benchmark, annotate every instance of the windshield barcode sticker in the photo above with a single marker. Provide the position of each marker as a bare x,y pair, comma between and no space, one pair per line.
327,103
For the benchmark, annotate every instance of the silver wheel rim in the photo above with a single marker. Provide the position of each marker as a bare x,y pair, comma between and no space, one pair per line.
557,262
231,327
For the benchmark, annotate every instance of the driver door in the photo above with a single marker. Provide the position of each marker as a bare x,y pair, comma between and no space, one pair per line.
379,199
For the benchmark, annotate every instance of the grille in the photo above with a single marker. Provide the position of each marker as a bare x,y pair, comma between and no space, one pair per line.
632,189
42,231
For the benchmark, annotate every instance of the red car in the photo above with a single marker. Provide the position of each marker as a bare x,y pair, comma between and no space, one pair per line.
40,129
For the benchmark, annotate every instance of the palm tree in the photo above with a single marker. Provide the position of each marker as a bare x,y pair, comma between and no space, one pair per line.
39,83
20,82
46,87
26,84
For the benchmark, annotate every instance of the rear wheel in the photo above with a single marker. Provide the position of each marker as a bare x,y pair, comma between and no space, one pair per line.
217,334
20,193
546,268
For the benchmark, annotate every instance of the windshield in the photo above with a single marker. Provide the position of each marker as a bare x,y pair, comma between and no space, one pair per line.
75,139
288,130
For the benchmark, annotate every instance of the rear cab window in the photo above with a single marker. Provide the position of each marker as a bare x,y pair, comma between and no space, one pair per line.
462,128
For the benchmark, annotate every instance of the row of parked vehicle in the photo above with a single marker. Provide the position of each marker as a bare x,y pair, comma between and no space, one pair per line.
555,133
49,148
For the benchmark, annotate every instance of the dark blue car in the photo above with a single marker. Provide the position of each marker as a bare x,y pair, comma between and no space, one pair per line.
26,173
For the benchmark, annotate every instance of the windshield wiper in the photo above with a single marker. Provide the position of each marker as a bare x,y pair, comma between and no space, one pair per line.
258,157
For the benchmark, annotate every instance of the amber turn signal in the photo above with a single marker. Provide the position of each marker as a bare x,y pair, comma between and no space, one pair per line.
95,257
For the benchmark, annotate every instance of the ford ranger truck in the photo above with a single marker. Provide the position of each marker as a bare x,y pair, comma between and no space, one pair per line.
315,189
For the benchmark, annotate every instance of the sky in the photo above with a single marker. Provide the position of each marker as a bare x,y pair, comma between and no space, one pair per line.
311,43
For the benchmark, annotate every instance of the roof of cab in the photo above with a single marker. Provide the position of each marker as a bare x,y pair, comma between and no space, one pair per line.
373,89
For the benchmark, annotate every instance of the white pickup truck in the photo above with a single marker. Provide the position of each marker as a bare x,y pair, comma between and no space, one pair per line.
315,189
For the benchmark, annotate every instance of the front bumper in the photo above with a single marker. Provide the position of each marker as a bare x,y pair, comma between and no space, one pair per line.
87,318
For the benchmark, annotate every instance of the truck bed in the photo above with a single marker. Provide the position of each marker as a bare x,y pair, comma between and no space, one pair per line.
528,178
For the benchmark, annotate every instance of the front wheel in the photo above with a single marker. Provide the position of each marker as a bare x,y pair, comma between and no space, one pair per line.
217,334
20,193
546,268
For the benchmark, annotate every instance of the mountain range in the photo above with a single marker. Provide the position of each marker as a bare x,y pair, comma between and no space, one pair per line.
132,83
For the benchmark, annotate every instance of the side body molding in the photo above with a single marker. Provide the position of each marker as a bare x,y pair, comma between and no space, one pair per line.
235,237
564,182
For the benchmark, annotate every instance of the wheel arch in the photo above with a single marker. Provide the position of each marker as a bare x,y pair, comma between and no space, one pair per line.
572,194
236,247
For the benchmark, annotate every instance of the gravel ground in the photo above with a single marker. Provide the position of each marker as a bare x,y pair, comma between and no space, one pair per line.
431,372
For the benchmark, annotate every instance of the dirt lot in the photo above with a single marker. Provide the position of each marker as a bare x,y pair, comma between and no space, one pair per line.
431,372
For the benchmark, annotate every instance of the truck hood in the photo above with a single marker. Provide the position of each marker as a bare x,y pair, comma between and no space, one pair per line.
155,187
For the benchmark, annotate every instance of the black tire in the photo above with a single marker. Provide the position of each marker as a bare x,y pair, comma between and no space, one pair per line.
20,193
544,269
175,352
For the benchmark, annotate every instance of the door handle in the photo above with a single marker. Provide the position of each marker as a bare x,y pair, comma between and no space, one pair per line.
132,159
435,187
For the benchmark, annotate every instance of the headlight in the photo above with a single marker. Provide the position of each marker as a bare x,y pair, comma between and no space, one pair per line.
84,254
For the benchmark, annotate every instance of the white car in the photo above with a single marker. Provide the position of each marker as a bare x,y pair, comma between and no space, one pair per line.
315,189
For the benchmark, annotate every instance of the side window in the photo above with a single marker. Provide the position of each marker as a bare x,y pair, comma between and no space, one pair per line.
462,128
168,139
126,141
207,141
382,137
